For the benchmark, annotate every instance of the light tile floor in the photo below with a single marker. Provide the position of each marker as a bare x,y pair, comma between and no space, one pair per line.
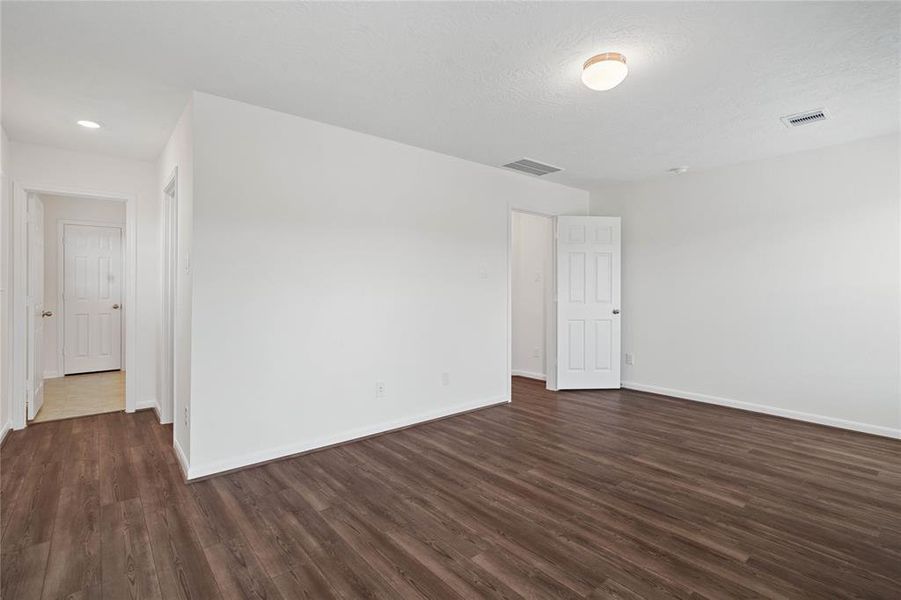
79,395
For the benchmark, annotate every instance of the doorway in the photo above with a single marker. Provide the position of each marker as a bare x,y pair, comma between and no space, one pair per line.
564,299
71,294
532,302
76,260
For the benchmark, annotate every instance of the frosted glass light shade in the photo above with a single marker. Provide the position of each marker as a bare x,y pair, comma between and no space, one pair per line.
604,71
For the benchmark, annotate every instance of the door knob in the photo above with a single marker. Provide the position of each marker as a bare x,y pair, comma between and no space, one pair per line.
616,311
115,306
47,313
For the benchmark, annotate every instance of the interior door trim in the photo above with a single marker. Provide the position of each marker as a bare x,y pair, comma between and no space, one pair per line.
16,324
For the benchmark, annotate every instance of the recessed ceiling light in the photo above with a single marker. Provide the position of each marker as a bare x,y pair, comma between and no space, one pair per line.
90,124
677,170
604,71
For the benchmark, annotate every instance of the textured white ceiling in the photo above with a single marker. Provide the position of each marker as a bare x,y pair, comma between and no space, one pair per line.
489,82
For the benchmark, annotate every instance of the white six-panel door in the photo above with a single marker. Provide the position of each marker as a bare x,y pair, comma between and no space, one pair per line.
34,370
92,296
588,301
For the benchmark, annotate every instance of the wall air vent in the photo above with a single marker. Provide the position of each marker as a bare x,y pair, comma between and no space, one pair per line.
804,118
532,167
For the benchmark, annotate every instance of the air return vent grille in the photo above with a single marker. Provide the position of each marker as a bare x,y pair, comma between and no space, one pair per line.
805,118
532,167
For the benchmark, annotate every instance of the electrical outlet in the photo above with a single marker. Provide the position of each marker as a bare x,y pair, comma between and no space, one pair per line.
445,379
187,417
630,358
379,389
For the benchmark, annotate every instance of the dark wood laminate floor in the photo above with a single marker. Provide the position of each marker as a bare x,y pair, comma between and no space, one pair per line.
572,495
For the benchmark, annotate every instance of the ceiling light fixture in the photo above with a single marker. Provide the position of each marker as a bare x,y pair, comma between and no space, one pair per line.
604,71
677,170
89,124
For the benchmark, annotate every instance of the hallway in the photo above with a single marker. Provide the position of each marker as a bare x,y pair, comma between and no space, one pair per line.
81,395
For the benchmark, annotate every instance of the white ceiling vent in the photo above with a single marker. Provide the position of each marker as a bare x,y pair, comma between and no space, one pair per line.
532,167
804,118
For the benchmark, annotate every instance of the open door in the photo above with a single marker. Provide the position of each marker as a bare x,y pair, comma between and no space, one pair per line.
34,375
588,300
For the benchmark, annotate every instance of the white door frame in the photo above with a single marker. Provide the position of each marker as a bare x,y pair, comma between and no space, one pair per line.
19,269
61,282
169,281
550,310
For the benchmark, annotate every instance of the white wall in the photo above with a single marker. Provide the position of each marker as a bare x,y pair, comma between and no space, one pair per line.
771,285
57,208
5,286
532,269
179,154
326,260
37,165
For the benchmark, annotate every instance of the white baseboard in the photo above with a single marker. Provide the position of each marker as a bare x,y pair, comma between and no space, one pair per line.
262,456
145,404
529,374
51,374
766,409
159,415
5,429
155,405
182,459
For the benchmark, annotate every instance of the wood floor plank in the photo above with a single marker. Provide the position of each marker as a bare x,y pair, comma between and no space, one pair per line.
304,582
23,571
611,590
378,550
73,565
458,571
239,573
127,565
34,514
117,482
577,494
181,566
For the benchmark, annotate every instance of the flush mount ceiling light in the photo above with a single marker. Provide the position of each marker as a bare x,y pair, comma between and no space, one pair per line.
89,124
677,170
604,71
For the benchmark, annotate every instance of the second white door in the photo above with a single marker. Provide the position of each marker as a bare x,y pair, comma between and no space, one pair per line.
92,297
